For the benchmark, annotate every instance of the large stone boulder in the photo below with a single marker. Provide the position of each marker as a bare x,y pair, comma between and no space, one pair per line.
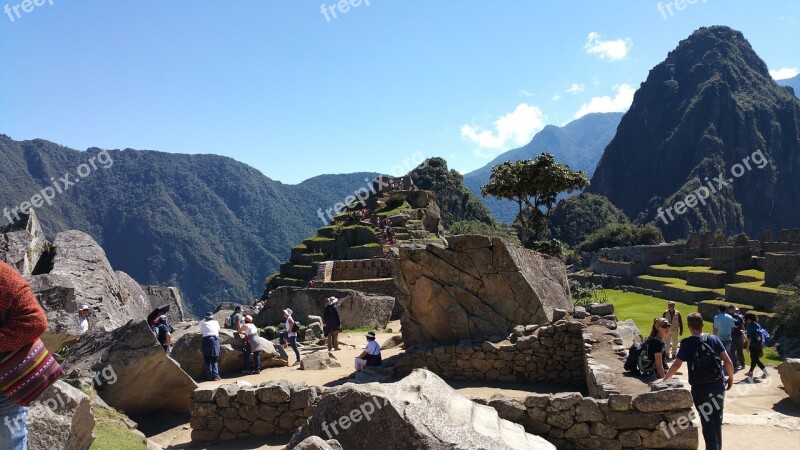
23,243
319,361
78,273
187,351
61,419
356,309
790,377
420,411
476,288
130,370
167,295
316,443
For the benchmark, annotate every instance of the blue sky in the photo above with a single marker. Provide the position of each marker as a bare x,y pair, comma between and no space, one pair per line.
279,86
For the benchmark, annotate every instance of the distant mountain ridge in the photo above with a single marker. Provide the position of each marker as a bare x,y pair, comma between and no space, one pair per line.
793,82
211,225
579,144
709,107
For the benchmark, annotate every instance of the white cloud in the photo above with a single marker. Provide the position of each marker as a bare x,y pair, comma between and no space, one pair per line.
612,50
782,74
556,97
575,88
515,128
526,93
621,101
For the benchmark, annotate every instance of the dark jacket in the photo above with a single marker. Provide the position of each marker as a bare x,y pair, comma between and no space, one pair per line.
331,318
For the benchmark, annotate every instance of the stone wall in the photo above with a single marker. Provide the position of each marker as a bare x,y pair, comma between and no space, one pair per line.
761,300
642,254
233,411
360,269
552,353
731,259
781,268
356,309
572,421
384,287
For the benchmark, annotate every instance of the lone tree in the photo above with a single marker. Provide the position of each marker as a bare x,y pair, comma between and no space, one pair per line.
534,184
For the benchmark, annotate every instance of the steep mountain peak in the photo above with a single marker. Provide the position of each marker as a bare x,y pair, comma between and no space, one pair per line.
709,105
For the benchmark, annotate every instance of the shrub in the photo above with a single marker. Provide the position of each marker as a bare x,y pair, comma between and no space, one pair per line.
476,227
553,247
575,218
395,201
787,310
622,235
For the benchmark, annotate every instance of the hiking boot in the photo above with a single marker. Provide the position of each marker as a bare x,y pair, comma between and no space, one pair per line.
246,372
765,374
217,378
255,372
749,374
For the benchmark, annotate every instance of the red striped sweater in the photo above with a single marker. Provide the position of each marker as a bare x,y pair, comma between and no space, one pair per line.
22,319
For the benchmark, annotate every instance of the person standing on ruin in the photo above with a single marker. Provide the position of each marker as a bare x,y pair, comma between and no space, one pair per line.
739,338
291,333
675,332
22,321
250,333
83,319
333,323
723,329
706,357
209,328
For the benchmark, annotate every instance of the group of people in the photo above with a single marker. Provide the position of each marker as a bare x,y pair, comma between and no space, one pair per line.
387,232
711,358
359,215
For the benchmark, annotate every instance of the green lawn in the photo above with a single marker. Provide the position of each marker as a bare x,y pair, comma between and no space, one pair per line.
752,273
644,308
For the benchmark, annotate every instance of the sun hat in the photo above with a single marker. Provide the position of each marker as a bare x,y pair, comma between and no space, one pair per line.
248,318
287,311
334,300
371,334
209,316
83,308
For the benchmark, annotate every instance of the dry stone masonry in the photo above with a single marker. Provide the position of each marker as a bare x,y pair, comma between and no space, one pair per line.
238,410
553,353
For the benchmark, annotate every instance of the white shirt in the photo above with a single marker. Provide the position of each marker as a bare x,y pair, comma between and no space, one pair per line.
209,328
372,348
289,328
251,329
84,324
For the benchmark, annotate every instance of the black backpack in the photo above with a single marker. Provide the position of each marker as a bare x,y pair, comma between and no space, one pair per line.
296,327
632,361
705,365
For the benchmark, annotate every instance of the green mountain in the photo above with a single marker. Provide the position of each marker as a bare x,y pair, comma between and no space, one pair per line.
456,202
793,83
211,225
579,144
708,121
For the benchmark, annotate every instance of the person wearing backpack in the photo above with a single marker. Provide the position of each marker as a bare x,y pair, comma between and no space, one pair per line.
706,356
291,332
250,333
738,338
164,334
676,330
236,320
755,344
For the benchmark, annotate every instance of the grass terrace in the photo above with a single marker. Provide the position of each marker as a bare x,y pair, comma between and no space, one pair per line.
644,308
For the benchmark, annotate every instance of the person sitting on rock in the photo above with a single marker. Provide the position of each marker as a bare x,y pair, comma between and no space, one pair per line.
209,328
164,334
371,356
236,318
333,323
250,333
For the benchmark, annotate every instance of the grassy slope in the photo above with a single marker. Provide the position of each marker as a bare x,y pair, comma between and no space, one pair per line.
643,309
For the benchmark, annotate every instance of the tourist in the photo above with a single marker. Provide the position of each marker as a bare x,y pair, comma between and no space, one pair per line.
250,333
22,321
655,347
235,320
705,355
164,334
310,284
333,323
291,334
402,184
754,345
371,356
723,328
738,336
209,328
83,318
676,329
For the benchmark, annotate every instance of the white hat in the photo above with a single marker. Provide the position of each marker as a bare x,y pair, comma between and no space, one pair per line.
334,300
83,308
287,311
